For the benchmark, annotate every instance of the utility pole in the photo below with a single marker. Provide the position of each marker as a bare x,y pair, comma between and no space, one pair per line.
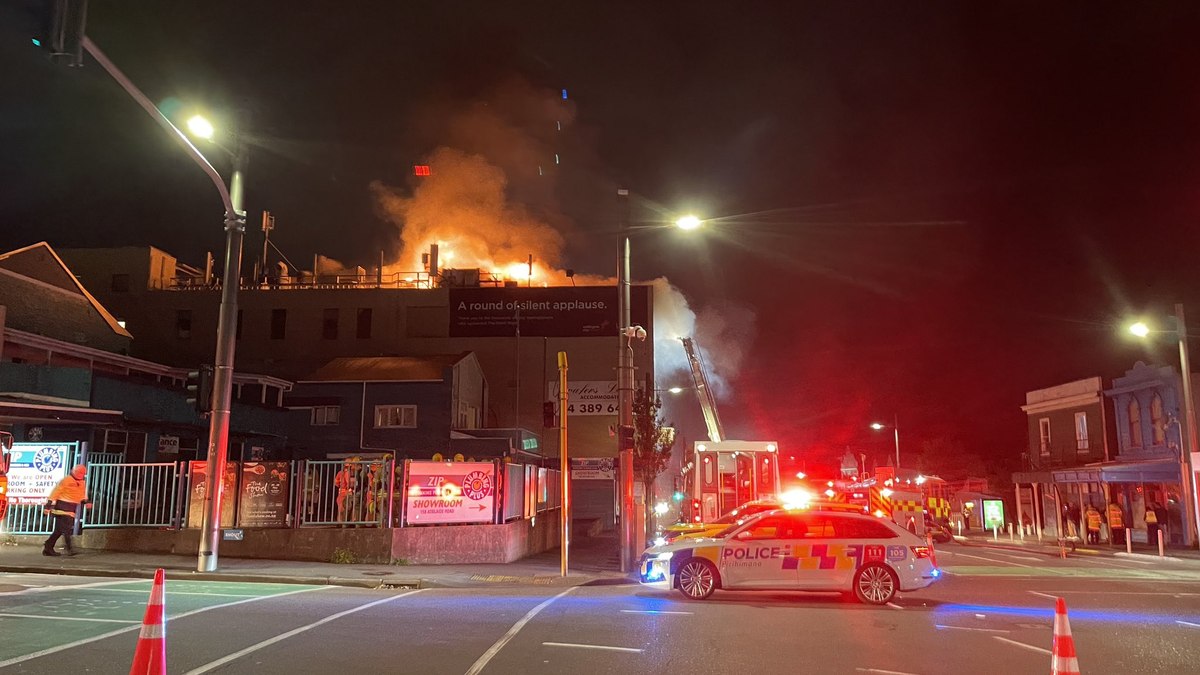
624,386
1188,485
564,464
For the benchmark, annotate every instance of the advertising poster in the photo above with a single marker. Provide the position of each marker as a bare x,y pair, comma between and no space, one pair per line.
993,513
586,397
594,468
36,468
199,475
450,492
264,498
543,312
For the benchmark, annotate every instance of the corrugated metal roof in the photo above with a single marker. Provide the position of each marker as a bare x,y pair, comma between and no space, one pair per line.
386,368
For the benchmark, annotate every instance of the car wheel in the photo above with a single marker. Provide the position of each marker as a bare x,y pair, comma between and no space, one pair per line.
697,579
875,584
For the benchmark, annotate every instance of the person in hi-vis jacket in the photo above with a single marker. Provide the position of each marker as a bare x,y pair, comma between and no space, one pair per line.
63,504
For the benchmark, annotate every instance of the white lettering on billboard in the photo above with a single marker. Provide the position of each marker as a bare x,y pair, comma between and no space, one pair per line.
450,492
593,468
36,468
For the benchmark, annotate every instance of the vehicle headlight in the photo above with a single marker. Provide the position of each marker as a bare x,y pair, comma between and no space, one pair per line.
665,555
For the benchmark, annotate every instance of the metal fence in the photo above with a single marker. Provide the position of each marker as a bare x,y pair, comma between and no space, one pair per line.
133,495
350,493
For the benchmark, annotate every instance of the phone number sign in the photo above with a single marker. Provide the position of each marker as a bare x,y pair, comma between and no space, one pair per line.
450,492
587,397
36,468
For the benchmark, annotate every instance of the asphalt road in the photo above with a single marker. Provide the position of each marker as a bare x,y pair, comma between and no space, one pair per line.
992,614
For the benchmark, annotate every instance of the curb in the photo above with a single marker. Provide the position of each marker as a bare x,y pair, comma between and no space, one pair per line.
138,573
1049,554
1150,556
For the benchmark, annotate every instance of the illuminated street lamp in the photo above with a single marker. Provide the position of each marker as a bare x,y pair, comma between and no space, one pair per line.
895,427
688,222
218,422
1186,467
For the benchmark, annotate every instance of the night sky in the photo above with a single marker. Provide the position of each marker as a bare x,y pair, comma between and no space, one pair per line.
921,210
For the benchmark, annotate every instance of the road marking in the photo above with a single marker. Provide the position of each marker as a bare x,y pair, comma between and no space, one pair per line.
487,656
652,611
103,636
883,672
1006,562
1178,595
581,646
295,631
97,584
1021,644
64,618
894,605
1020,557
980,630
146,592
1189,623
1044,595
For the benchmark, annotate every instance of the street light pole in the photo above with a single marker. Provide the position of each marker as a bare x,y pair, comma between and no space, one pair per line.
896,429
218,428
624,386
1188,486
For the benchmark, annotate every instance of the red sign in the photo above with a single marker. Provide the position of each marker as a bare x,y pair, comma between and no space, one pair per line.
422,170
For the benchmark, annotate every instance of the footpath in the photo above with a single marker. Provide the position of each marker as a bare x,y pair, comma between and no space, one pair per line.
592,562
1049,546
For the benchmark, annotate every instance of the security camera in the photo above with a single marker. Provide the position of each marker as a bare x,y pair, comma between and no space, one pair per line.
635,332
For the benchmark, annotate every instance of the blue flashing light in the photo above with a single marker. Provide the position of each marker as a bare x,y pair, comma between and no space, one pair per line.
564,94
936,573
36,42
1076,614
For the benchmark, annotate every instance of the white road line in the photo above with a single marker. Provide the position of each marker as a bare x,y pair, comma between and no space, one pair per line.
147,592
978,630
652,611
1018,557
295,631
63,618
1022,645
894,605
78,643
1189,623
581,646
883,672
1044,595
1178,595
96,584
487,656
993,560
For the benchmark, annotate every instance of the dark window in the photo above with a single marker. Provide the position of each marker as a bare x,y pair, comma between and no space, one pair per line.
855,528
278,324
120,283
364,323
183,324
238,332
329,325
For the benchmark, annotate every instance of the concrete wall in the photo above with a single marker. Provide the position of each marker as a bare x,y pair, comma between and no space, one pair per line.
446,545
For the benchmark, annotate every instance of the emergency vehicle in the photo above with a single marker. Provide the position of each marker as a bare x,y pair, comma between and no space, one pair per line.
6,443
870,557
905,502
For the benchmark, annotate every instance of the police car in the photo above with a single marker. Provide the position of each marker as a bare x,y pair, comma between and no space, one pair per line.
870,557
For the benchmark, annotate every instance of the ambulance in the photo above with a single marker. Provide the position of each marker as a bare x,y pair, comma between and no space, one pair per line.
871,558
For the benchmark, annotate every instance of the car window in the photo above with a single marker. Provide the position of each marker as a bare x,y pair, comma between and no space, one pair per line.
820,527
763,528
859,528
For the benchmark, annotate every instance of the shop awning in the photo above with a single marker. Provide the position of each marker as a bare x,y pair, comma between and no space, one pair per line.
1154,471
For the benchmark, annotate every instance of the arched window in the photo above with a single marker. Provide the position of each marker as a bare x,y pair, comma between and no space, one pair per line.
1157,422
1135,424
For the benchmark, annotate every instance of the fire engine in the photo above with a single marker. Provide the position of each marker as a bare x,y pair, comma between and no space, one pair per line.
904,501
6,443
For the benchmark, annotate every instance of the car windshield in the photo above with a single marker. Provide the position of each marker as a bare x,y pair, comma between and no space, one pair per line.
742,512
740,520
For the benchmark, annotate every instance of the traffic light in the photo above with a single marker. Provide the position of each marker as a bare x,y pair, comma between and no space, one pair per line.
548,417
60,29
200,388
678,496
626,440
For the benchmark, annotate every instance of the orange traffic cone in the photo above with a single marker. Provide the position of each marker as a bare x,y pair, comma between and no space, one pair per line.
150,658
1062,658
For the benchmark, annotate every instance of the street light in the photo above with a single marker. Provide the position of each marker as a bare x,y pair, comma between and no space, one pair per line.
626,332
1187,470
218,422
895,427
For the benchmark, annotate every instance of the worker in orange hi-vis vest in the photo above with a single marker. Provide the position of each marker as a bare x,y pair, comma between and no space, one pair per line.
1093,524
63,503
346,483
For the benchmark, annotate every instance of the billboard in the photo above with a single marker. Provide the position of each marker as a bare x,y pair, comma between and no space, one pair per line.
594,468
586,397
560,311
450,492
199,479
36,468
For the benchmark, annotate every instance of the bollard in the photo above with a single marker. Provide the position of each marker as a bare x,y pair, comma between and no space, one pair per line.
960,528
1062,548
1160,544
1022,533
1039,531
995,533
1010,533
1129,540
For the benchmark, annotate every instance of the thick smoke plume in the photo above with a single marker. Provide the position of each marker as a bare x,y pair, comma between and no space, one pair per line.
489,203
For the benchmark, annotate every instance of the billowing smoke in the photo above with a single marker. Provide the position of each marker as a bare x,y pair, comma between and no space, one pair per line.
489,203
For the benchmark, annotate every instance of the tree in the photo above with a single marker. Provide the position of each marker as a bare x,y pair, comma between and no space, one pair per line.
653,442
